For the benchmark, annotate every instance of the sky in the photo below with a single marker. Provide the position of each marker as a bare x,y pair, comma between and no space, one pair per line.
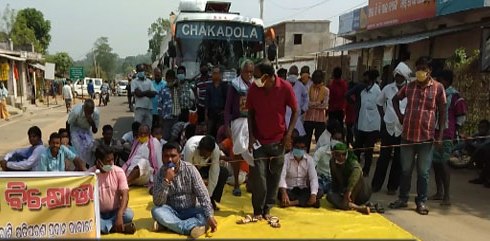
76,24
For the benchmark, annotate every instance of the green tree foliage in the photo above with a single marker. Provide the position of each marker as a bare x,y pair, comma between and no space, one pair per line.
157,32
105,58
7,21
31,27
63,62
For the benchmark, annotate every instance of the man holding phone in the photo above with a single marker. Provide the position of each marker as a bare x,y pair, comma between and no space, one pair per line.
182,202
267,100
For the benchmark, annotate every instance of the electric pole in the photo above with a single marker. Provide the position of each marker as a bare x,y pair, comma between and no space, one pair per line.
261,9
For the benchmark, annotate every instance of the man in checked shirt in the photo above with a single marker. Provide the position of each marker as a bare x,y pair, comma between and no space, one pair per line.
181,199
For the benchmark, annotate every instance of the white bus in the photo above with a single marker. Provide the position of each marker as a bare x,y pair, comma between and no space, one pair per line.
206,32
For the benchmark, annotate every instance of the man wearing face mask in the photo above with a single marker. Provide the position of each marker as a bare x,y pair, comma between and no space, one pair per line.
235,115
349,190
203,152
169,103
115,215
267,100
391,130
56,155
143,90
301,94
298,185
145,159
426,98
187,98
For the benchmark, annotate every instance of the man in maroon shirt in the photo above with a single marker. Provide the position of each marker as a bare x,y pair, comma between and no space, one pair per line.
426,98
267,100
337,102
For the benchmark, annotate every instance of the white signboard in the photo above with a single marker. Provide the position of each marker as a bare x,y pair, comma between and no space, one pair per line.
49,71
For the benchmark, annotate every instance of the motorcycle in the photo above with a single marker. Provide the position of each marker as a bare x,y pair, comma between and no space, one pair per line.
105,98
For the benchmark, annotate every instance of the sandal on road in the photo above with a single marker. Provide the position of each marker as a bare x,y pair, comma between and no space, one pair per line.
398,204
247,219
274,222
422,209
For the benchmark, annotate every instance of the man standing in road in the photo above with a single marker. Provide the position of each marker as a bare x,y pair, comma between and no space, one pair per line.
201,86
82,121
267,100
215,101
130,94
158,85
426,103
91,89
67,95
337,102
144,91
104,93
4,114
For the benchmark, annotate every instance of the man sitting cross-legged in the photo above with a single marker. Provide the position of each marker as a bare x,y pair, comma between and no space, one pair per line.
349,190
25,159
108,140
182,203
298,185
145,159
55,157
115,215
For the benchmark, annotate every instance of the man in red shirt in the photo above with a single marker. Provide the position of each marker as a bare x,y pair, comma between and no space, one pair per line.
267,100
337,102
425,99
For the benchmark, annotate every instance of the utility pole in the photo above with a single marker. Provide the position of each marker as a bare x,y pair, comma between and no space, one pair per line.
261,9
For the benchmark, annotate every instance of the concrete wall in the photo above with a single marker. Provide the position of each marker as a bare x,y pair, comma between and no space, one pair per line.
316,37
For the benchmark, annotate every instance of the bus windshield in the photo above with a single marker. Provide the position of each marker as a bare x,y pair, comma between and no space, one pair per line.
221,43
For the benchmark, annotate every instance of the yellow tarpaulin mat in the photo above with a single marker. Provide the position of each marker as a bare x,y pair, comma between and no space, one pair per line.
296,223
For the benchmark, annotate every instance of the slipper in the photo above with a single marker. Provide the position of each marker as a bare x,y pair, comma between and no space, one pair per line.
274,222
247,219
379,208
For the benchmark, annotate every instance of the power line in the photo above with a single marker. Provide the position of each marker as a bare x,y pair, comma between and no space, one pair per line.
298,8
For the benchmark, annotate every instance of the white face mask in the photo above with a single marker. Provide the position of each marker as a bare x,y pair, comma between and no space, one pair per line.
259,83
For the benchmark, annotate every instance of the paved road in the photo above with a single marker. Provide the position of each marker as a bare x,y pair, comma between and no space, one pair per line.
467,219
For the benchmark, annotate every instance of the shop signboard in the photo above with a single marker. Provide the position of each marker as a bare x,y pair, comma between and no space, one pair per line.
383,13
445,7
346,23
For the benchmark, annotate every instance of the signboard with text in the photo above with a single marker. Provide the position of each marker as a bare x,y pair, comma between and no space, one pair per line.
48,205
383,13
346,23
445,7
76,73
219,31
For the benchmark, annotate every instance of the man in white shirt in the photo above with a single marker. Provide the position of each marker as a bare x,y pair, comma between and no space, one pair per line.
203,152
143,90
25,159
67,95
298,185
83,120
390,132
369,120
145,159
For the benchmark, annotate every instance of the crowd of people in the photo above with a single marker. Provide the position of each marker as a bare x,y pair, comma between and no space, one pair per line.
188,140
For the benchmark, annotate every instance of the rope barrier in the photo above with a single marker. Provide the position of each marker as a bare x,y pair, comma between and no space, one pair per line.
358,149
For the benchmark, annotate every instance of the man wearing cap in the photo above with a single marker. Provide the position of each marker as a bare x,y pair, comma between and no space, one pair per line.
349,191
391,131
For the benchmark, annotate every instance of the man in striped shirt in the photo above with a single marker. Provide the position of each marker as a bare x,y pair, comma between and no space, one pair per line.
182,203
426,98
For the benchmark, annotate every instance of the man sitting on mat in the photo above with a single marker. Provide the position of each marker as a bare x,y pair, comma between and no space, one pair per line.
298,185
349,190
182,202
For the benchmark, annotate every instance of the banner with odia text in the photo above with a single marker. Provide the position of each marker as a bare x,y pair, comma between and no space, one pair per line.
49,205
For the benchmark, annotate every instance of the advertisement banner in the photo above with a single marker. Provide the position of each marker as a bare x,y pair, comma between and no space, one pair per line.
346,23
383,13
48,205
445,7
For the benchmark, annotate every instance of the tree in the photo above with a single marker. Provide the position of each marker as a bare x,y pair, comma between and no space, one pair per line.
6,22
31,27
104,57
63,62
157,32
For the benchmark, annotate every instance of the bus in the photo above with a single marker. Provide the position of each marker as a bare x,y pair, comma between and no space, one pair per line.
206,32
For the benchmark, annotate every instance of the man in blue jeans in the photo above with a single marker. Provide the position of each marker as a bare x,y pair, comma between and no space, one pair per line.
426,102
182,202
267,100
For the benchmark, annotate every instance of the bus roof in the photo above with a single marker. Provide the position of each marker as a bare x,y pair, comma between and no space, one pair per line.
203,16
